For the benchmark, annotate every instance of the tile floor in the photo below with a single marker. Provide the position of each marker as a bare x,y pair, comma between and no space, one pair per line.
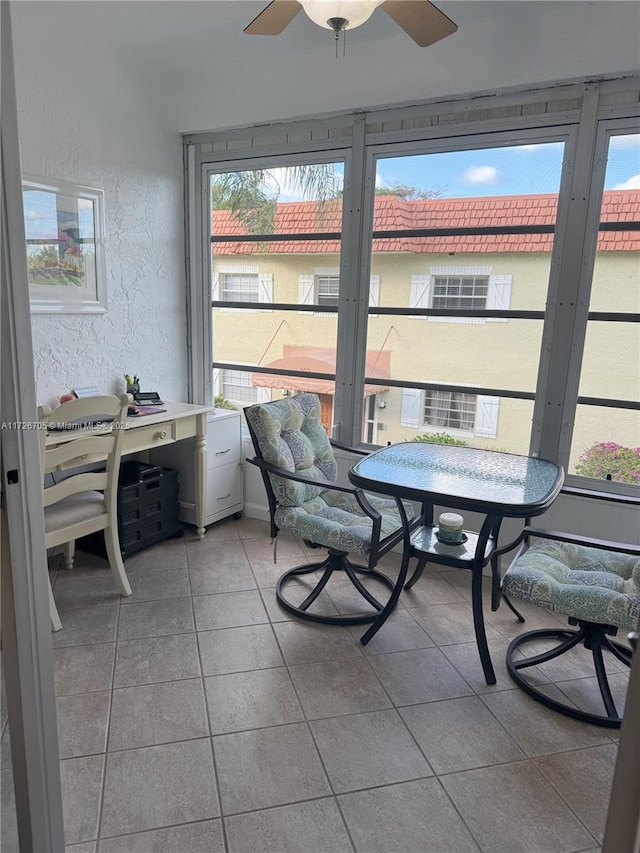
197,716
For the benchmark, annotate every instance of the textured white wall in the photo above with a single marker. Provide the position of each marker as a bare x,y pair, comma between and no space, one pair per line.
83,118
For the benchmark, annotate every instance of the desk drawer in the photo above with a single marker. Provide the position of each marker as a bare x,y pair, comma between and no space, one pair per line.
224,488
146,437
223,442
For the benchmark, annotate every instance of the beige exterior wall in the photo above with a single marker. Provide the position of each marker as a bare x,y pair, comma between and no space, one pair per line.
484,353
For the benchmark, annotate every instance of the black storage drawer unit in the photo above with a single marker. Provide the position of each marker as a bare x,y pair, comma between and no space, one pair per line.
147,505
147,509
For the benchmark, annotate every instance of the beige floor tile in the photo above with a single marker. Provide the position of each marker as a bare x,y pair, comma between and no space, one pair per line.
151,714
170,554
451,624
258,550
421,675
212,552
432,588
268,767
156,659
399,633
368,750
348,600
156,619
8,822
202,837
584,693
83,669
539,730
81,780
79,588
252,528
414,817
220,577
512,808
338,687
86,626
238,649
296,592
466,660
222,531
267,573
251,700
86,847
159,786
306,642
459,734
311,826
82,723
583,779
154,584
229,610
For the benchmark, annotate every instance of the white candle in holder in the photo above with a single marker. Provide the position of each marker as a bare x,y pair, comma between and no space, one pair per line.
450,526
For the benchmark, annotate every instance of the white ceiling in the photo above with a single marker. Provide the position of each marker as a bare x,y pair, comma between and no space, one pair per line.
194,57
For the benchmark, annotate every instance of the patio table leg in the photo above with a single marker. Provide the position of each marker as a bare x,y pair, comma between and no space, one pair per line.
478,624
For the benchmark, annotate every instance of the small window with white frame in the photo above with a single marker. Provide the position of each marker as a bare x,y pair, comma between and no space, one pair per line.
448,410
239,287
241,283
461,288
237,387
327,289
460,291
456,412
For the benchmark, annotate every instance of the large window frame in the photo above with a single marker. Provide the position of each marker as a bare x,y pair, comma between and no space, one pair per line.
585,132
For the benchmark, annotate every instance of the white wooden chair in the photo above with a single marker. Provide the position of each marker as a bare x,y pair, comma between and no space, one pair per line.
84,502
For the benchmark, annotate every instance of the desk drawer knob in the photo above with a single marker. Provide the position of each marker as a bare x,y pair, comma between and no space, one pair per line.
221,452
224,497
162,434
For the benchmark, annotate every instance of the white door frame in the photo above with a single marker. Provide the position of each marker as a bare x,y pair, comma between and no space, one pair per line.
26,633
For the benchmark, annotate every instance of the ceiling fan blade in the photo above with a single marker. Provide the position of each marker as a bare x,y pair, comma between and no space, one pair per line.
420,19
274,18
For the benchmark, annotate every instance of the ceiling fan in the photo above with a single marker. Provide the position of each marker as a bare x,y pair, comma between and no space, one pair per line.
420,19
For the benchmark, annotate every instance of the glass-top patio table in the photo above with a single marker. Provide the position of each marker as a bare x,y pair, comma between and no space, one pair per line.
496,485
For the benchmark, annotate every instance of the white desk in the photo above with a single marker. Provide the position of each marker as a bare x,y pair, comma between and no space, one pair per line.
179,422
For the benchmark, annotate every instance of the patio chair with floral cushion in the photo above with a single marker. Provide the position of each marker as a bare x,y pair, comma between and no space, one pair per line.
596,584
299,470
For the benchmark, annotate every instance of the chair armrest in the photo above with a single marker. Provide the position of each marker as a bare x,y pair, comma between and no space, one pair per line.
348,449
589,542
359,495
301,478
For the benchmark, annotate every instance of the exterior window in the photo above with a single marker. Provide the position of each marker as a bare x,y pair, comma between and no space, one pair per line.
447,410
237,387
240,287
460,291
328,287
475,415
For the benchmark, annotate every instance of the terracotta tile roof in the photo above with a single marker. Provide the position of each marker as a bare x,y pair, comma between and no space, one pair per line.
393,213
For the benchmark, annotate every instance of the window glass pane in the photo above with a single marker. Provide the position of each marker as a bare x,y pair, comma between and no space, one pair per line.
606,444
260,273
303,199
605,439
468,198
409,414
611,370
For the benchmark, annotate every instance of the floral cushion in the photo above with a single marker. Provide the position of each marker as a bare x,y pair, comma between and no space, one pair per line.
290,435
588,583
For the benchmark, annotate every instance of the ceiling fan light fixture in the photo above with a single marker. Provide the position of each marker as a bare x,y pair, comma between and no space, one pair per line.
354,12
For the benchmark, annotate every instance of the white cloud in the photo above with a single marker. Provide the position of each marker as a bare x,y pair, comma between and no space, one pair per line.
536,146
627,140
632,183
481,175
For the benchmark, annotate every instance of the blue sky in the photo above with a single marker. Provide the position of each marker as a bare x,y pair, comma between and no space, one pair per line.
516,170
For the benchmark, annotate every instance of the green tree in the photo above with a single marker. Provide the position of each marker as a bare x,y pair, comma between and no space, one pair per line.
252,195
409,192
